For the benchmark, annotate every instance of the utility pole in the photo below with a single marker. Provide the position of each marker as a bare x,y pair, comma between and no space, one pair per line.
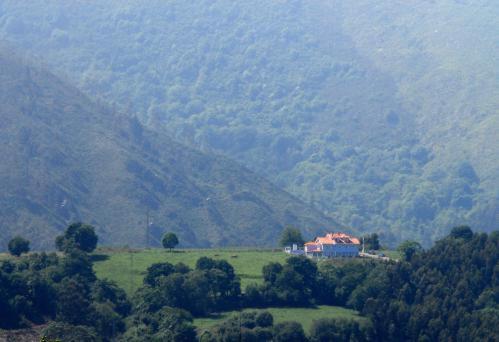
131,288
130,252
147,228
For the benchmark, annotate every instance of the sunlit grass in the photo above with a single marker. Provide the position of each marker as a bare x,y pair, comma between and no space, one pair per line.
127,267
305,316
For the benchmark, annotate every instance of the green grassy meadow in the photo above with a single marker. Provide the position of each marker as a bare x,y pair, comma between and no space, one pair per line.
392,254
127,267
305,316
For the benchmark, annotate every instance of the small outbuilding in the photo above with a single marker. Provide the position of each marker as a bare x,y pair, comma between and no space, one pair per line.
294,250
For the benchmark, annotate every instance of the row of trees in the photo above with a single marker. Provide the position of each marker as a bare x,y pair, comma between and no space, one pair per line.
80,236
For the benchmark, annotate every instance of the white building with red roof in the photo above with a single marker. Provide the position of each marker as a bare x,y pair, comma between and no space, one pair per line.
333,245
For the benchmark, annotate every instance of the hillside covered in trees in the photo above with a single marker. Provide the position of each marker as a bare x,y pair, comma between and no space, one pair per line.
383,114
66,158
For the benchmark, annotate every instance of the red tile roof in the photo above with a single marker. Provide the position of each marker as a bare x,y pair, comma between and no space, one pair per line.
336,238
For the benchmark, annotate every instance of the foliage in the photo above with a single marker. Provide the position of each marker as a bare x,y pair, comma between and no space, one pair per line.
291,235
244,327
461,232
345,104
77,235
155,271
409,248
440,294
73,302
168,324
57,331
106,291
56,173
293,284
371,242
264,319
336,283
44,287
332,329
289,332
213,285
18,245
170,240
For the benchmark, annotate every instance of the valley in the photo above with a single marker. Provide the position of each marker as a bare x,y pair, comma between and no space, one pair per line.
383,116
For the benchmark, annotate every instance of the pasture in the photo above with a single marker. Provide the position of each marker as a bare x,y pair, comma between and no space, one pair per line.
305,316
127,266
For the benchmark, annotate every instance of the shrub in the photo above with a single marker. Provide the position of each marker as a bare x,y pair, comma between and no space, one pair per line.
18,246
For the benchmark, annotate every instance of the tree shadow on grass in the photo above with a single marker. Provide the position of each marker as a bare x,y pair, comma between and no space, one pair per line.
99,257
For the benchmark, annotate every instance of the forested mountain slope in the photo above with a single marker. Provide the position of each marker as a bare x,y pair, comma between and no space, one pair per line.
66,158
384,114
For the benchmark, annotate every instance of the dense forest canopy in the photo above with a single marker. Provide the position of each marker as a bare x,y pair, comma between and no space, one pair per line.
66,158
382,114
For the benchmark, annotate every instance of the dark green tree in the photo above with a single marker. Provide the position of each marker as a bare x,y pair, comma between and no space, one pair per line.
106,291
175,325
337,329
271,271
170,241
205,263
18,245
157,270
264,319
371,242
291,235
243,327
461,232
106,321
294,283
74,302
77,236
408,249
289,332
76,263
180,267
58,331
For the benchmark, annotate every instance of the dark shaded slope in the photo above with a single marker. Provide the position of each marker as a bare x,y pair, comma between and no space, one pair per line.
65,158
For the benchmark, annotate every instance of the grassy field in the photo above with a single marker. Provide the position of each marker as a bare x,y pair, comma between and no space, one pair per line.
127,267
391,254
305,316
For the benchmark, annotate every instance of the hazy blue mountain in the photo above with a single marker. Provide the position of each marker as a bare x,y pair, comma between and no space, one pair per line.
383,114
66,158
